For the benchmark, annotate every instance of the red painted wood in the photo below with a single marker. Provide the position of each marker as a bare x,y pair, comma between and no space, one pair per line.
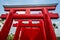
6,28
16,36
33,34
33,16
48,25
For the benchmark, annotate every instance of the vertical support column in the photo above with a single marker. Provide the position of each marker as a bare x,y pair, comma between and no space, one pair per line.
43,34
6,28
30,23
28,11
24,34
16,36
48,25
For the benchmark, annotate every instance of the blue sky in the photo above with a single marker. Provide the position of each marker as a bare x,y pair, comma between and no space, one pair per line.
24,2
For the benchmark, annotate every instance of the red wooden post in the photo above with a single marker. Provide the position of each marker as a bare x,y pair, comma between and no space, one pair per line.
6,28
42,28
48,25
16,36
28,11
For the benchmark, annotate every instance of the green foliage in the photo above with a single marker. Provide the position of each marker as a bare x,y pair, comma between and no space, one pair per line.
58,38
55,26
10,37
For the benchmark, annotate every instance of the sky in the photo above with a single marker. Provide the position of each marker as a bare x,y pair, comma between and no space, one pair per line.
25,2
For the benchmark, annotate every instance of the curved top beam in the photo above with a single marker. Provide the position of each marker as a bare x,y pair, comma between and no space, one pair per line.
31,5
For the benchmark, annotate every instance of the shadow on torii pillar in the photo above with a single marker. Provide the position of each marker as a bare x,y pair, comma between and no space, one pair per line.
45,29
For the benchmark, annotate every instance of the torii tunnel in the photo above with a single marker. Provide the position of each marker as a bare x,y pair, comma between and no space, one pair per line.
42,31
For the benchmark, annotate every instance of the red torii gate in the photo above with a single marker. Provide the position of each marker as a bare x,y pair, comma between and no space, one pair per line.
29,32
45,16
